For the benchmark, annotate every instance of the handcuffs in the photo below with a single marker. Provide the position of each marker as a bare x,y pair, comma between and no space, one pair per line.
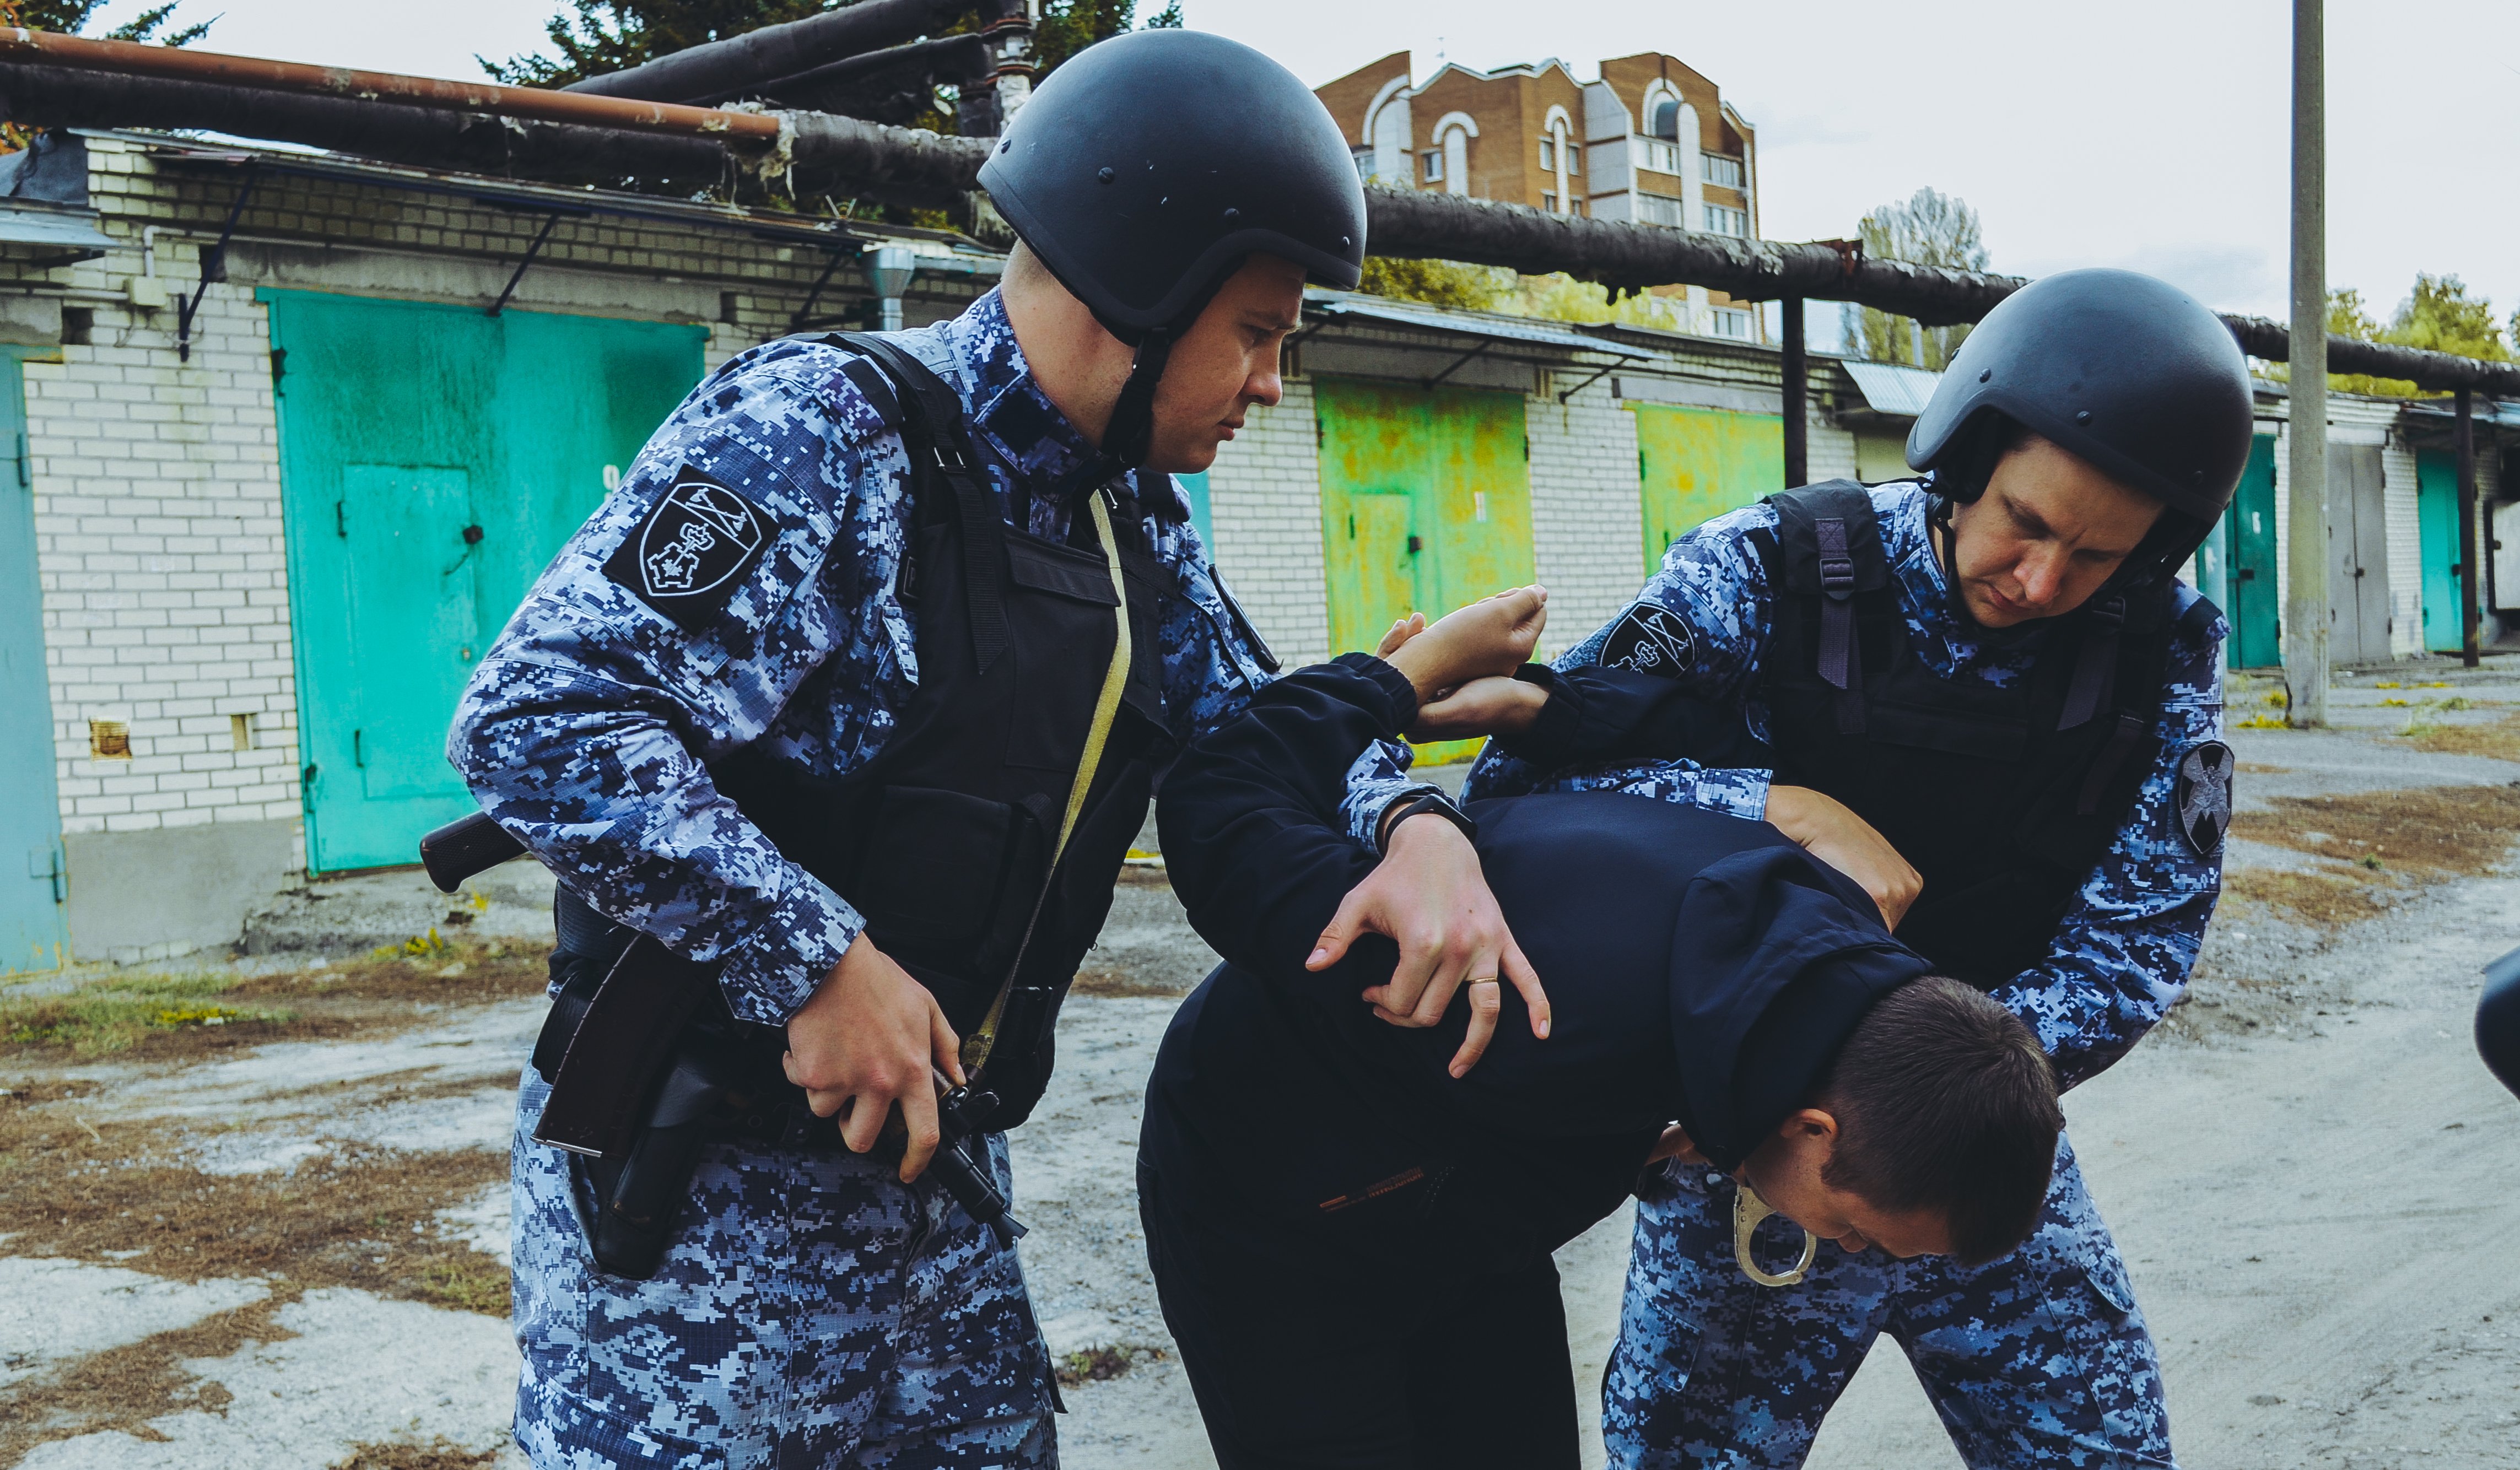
1748,1209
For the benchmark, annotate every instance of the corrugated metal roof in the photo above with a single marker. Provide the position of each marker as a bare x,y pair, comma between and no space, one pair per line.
1889,389
1465,324
37,224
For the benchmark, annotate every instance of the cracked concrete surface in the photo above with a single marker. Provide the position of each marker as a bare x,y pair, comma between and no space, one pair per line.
2312,1180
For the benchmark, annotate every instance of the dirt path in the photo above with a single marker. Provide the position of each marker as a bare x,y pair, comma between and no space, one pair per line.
271,1231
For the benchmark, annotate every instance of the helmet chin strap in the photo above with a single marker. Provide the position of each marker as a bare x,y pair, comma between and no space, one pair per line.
1129,437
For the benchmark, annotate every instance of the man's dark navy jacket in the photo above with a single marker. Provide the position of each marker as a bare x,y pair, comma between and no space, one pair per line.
1700,968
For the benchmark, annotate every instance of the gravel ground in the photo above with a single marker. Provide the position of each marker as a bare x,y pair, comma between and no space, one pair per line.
2300,1166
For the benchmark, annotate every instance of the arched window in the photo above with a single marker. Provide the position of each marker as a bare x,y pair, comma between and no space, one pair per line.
1666,119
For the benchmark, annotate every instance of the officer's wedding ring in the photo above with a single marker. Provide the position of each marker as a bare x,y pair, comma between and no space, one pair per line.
1482,980
1748,1209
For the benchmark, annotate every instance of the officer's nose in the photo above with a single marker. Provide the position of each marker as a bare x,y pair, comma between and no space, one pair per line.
1265,387
2041,573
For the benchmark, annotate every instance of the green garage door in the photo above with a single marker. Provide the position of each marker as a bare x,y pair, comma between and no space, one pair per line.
2437,533
433,459
1425,505
1696,463
2236,564
32,927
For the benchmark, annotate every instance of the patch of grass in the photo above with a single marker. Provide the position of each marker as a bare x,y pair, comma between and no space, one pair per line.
2499,740
1100,1365
2330,902
155,1016
130,1012
357,1217
2431,831
468,1282
122,1389
438,1454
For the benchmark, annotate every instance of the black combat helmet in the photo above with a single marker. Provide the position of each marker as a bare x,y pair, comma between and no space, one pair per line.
1149,166
2128,373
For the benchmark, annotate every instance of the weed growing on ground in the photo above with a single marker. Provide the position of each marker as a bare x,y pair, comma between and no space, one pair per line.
2499,740
1098,1364
2380,839
438,1454
125,1013
158,1016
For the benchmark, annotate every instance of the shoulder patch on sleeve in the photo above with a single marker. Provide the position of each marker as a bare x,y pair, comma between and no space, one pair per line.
1650,640
689,553
2200,798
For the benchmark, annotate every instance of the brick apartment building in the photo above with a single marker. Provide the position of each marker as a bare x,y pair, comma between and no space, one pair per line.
1651,140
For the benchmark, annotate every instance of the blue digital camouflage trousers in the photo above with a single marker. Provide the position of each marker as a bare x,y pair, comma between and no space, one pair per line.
812,1312
2038,1358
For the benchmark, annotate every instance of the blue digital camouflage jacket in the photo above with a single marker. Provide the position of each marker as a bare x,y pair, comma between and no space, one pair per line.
2123,954
587,729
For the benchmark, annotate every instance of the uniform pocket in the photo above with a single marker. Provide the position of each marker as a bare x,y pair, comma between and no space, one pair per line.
934,873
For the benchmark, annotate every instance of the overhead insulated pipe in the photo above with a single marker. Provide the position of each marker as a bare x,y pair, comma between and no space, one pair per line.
174,64
75,82
715,71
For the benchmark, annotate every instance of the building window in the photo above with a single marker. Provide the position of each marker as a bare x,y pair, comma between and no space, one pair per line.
1548,202
1434,166
1656,154
1661,209
1722,170
1574,157
1363,157
1548,156
1723,219
1730,323
1666,119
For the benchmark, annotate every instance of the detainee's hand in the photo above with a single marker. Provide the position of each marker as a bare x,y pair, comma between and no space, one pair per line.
864,1043
1429,896
1498,705
1830,831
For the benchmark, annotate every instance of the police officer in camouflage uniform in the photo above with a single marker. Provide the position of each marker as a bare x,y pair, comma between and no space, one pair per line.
768,630
1984,694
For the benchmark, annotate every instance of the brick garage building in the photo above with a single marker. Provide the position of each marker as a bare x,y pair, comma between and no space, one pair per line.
228,665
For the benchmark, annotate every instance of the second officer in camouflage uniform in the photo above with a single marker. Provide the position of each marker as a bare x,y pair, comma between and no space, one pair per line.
742,595
2034,717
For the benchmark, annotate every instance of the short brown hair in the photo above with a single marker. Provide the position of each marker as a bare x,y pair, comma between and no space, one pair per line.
1943,1100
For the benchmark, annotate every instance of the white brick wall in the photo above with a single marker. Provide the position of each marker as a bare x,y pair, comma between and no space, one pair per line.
159,543
1586,511
1265,502
158,538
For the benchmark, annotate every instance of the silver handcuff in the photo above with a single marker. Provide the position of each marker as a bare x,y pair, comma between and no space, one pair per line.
1748,1209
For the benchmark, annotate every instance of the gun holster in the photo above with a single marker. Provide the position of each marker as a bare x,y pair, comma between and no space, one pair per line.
626,1202
646,1070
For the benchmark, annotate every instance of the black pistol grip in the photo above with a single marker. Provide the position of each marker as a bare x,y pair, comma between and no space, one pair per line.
463,847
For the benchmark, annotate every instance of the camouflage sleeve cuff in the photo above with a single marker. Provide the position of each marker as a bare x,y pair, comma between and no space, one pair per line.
791,953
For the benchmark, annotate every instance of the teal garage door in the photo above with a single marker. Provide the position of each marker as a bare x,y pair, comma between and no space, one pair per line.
433,459
33,932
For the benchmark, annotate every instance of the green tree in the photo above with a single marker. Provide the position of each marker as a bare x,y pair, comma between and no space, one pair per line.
1931,228
595,36
2437,316
71,18
1438,283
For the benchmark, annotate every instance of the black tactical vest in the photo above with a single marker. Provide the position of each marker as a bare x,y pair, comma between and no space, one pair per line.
944,840
2003,799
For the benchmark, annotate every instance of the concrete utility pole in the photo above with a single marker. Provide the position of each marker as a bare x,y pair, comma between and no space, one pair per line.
2305,612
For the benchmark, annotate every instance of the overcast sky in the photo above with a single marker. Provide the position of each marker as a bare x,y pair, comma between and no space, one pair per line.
2145,133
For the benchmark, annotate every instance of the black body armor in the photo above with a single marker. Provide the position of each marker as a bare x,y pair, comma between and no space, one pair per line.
2003,800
